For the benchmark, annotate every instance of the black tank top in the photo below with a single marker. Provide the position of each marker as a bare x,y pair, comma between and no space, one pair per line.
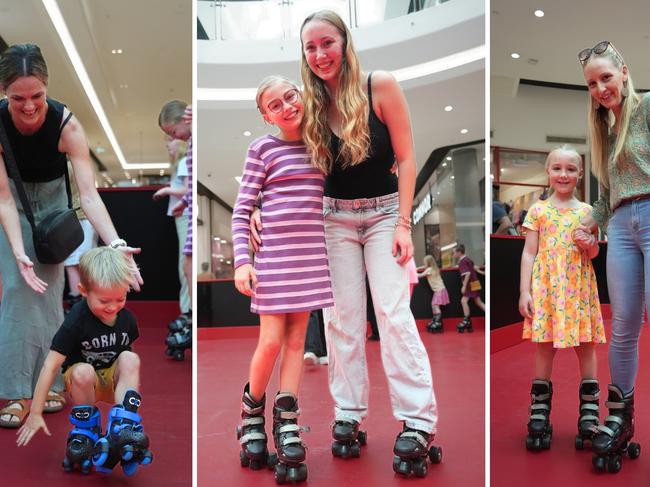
370,178
37,155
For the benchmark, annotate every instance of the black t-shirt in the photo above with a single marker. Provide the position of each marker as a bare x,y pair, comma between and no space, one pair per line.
85,338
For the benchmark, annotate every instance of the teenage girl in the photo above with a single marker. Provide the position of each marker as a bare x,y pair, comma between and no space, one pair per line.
559,296
289,277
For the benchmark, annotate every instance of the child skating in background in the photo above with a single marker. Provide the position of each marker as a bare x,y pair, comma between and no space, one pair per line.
440,295
559,297
93,348
470,287
290,276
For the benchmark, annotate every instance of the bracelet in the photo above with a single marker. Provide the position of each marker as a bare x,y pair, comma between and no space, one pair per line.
403,224
405,219
118,242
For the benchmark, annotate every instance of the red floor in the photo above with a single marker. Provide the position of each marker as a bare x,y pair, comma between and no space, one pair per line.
167,419
512,465
458,374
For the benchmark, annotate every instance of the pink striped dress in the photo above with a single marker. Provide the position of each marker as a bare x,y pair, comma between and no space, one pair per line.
291,265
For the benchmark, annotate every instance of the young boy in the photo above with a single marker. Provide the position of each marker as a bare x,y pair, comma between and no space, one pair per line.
93,348
470,288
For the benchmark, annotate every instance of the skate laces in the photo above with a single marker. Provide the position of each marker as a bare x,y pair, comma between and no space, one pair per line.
416,435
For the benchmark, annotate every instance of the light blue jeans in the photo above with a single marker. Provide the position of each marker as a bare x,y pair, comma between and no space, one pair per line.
628,282
359,236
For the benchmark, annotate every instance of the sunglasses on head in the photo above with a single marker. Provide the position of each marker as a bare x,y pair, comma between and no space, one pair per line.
598,49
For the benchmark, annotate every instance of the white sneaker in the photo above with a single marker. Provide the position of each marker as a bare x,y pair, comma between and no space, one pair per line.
310,358
323,360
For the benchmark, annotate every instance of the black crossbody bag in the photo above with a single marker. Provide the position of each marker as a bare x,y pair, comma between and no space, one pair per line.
60,232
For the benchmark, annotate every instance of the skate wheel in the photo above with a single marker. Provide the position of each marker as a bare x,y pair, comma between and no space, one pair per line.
598,463
85,466
402,467
179,355
280,473
67,465
614,464
435,454
129,468
127,453
362,436
355,450
297,473
530,443
147,458
633,450
336,449
243,459
271,461
101,452
420,468
169,352
579,443
546,442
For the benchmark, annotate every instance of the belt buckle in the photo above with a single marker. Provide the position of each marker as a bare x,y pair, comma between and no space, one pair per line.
356,204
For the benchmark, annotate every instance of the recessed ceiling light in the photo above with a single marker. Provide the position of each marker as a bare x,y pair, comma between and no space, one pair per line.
453,177
247,133
448,108
116,51
444,164
124,85
449,158
539,13
515,55
463,131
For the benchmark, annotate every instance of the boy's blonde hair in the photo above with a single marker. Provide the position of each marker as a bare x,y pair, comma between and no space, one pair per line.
104,267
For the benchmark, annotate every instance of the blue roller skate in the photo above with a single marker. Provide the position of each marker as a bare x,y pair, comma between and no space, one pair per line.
125,441
82,438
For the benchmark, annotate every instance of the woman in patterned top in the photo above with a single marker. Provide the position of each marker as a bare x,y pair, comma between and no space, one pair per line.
619,121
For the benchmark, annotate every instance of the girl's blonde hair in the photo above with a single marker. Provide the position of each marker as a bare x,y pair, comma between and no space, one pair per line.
600,121
171,113
351,102
266,83
431,263
104,267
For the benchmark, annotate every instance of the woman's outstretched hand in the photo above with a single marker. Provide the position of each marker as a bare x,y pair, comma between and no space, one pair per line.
26,267
136,279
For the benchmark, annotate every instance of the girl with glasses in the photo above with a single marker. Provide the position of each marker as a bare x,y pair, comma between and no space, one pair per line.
619,127
289,277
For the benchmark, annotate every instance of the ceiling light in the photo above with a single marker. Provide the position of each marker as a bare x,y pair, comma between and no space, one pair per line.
539,13
75,59
247,133
453,177
448,108
444,164
99,149
404,74
463,131
124,85
449,158
515,55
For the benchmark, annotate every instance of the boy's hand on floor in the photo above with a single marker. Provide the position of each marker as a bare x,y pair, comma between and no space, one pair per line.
34,423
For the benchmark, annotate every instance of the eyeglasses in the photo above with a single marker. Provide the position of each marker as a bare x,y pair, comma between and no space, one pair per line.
598,49
290,97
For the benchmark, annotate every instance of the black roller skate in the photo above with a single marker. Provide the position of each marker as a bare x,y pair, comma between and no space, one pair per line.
288,445
81,440
540,429
465,325
180,337
251,434
412,448
435,326
125,441
348,440
613,438
588,420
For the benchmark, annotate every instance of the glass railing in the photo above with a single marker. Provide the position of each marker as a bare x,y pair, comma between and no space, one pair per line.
281,19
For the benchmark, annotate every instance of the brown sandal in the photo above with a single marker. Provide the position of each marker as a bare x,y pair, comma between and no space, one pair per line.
21,413
54,397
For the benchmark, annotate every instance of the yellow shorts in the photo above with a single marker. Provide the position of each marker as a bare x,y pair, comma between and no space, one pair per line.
104,383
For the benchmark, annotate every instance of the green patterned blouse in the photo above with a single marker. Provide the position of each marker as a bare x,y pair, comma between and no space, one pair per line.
630,175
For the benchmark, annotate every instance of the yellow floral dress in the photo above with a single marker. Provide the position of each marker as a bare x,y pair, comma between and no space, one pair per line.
566,308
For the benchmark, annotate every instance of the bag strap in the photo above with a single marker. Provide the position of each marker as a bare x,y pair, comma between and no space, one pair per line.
12,170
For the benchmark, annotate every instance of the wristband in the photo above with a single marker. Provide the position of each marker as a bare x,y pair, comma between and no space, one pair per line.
118,242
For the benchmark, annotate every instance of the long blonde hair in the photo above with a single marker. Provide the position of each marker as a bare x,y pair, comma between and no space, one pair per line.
351,101
600,122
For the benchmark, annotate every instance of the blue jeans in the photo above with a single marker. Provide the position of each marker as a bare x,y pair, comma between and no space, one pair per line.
628,281
359,237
